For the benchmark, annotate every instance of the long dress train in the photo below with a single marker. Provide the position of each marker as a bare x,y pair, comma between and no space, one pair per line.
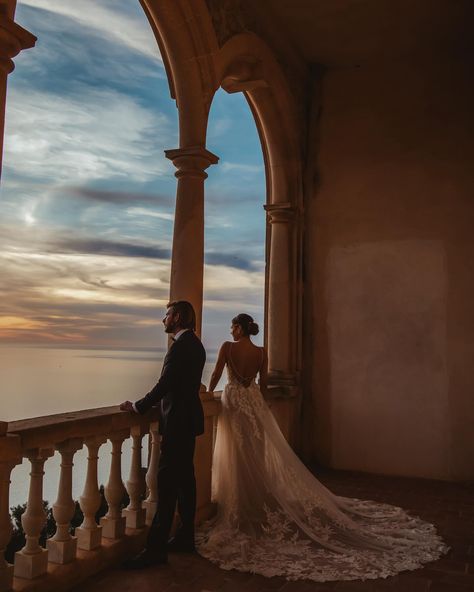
276,519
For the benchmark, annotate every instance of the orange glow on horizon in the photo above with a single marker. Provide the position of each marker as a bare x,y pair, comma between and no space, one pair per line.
12,323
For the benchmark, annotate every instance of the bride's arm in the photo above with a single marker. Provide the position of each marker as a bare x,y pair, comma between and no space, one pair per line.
263,382
216,375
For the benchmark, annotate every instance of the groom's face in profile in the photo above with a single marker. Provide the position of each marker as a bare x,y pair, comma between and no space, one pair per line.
171,321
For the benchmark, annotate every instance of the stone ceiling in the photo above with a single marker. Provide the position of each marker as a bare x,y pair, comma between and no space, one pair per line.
350,32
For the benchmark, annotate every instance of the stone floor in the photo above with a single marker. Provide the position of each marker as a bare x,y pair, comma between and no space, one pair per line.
448,505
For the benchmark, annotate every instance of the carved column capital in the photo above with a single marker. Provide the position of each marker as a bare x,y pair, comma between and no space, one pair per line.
13,39
280,213
192,161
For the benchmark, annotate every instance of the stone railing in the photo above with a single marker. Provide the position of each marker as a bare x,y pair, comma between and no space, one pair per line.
68,560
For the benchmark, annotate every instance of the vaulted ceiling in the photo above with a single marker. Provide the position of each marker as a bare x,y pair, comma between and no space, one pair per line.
351,32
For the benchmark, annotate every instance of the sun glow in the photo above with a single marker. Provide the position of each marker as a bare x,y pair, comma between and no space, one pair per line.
13,323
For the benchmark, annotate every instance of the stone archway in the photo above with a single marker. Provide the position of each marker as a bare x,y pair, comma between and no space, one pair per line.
196,67
246,64
184,33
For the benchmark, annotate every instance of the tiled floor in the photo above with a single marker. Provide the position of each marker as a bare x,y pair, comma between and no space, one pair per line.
448,505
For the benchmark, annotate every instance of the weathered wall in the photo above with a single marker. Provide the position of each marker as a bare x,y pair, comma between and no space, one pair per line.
389,292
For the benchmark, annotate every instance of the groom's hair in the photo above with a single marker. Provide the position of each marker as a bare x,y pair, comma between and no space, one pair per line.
187,316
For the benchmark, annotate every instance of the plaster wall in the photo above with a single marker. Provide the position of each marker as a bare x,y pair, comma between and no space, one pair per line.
389,287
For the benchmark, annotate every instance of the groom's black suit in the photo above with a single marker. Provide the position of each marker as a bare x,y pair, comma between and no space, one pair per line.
181,420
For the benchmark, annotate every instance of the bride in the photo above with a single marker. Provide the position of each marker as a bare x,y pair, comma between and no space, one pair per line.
274,517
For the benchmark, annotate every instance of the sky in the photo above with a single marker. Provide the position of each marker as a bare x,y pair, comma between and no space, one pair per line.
87,196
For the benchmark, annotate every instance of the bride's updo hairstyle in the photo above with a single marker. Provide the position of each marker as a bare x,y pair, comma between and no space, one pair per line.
249,326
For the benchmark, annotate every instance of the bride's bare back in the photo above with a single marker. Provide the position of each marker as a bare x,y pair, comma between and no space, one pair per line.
244,359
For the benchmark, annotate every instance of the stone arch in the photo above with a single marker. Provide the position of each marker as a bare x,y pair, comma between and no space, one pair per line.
187,42
246,64
185,35
196,67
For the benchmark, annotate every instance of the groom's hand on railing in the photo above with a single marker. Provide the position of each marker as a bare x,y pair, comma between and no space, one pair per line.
127,406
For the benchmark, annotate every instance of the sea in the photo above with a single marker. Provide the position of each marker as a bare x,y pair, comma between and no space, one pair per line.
39,381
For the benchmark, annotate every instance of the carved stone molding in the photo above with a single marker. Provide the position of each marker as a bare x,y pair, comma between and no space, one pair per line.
191,162
244,74
282,213
13,39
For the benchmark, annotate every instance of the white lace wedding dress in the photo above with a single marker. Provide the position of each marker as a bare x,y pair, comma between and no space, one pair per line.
276,519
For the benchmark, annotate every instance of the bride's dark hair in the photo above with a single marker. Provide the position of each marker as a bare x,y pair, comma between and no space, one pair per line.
249,326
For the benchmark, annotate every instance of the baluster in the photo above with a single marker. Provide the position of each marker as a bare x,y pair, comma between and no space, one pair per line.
10,456
89,533
62,546
113,524
151,502
32,560
134,513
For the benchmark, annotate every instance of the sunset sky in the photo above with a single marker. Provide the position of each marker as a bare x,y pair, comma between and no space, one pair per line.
87,197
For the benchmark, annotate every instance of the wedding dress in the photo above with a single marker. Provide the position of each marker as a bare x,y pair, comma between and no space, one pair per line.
275,518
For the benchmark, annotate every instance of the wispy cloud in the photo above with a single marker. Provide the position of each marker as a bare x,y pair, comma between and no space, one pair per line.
108,18
234,260
117,196
99,134
111,248
253,169
218,127
149,214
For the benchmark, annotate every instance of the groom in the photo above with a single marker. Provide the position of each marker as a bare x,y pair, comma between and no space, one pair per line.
181,420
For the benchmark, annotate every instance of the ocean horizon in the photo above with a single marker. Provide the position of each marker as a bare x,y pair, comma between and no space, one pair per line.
40,380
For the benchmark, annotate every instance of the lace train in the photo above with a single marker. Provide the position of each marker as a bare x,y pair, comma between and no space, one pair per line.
276,519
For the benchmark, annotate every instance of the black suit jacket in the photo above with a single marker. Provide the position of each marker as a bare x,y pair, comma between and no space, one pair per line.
178,389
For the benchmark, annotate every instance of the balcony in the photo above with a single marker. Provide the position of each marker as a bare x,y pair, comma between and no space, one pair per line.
68,560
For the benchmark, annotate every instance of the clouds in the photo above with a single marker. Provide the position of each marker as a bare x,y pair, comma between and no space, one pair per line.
117,197
76,297
98,246
87,202
98,134
233,260
88,292
109,19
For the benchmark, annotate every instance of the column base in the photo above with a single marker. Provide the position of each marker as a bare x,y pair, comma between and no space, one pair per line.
30,566
89,538
62,552
150,509
135,518
6,578
112,528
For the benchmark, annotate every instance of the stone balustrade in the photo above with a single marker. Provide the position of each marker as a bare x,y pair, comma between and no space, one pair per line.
68,560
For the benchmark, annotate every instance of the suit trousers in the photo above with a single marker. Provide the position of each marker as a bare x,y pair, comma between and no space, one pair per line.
176,486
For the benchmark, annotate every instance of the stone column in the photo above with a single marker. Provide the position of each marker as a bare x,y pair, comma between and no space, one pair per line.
32,560
151,502
10,456
13,39
62,546
89,535
113,525
187,263
282,316
134,514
